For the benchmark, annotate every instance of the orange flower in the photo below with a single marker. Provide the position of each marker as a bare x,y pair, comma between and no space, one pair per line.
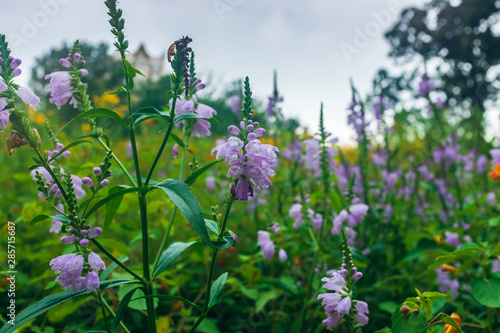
438,239
495,174
450,329
449,268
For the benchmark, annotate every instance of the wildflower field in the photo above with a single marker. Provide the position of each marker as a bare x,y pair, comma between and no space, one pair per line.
167,209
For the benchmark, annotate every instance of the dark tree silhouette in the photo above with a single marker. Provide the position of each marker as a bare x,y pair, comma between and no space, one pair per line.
460,39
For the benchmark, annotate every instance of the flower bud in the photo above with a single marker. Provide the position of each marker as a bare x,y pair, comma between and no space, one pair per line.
104,183
97,171
84,233
68,239
235,237
65,62
357,276
87,181
95,232
404,310
84,242
233,130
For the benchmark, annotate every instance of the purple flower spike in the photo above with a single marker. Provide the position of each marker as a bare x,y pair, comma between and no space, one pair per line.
95,232
84,242
87,182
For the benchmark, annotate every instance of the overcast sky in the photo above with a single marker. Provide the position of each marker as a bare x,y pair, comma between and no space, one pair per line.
315,45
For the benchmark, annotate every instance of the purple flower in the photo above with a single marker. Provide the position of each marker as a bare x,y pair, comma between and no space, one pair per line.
95,262
293,152
95,232
282,255
296,213
92,282
425,86
452,238
27,96
355,215
87,182
495,156
84,242
201,127
104,182
266,244
234,102
446,283
235,237
210,181
440,102
60,88
254,167
361,317
316,219
56,227
336,282
70,266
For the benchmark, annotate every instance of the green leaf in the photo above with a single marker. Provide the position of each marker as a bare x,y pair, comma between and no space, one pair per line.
385,330
51,301
177,140
434,295
212,226
72,144
121,308
117,91
409,323
149,113
112,206
264,298
487,292
126,189
216,290
61,218
387,306
191,179
180,194
172,297
193,115
92,113
169,255
452,322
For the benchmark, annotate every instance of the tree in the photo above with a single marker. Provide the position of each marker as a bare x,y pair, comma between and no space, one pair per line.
99,63
460,39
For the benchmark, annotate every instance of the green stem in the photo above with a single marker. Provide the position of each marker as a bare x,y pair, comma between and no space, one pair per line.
103,312
125,171
114,315
118,262
165,139
148,288
174,211
212,268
